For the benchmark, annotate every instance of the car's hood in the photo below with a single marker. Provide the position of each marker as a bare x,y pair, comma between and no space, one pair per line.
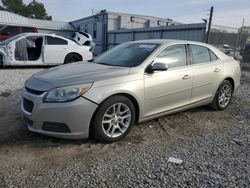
76,73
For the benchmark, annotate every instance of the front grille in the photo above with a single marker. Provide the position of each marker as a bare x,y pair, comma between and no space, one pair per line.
28,105
55,127
34,92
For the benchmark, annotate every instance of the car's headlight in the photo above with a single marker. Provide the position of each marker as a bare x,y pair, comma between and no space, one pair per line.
68,93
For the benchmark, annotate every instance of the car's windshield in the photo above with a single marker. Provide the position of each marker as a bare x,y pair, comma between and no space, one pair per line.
11,39
127,55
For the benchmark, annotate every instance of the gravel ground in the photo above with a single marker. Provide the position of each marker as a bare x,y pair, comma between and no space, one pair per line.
214,147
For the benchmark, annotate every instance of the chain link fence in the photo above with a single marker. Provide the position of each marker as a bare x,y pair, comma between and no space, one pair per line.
232,41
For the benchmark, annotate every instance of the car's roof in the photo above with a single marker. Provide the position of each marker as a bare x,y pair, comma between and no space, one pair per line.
168,41
39,34
173,41
22,35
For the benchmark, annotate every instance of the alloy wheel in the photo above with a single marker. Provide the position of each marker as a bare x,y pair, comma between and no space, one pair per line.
116,120
224,96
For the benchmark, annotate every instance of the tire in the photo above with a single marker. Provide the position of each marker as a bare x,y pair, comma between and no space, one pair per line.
223,96
113,119
71,58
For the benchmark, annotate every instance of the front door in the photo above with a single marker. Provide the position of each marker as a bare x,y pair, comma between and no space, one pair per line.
28,50
171,89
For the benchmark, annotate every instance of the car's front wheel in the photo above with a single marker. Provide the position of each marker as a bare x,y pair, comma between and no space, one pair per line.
113,119
223,96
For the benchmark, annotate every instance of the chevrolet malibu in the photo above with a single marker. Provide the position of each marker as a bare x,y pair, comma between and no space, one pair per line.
131,83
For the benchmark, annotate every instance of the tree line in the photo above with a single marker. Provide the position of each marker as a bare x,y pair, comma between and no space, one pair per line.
34,9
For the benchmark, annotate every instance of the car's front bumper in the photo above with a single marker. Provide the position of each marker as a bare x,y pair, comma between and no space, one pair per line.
75,115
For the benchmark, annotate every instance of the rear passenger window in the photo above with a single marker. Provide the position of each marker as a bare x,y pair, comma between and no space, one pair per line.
173,56
55,41
213,57
200,54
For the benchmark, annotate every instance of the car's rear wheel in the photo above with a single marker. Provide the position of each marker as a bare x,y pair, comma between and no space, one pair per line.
113,119
223,96
71,58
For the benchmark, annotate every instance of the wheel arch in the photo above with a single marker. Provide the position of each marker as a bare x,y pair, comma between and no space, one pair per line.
231,80
130,97
75,53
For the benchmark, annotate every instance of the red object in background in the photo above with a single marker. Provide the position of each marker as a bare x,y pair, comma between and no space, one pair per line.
10,31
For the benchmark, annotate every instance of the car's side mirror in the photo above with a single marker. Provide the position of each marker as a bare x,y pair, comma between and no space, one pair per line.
157,67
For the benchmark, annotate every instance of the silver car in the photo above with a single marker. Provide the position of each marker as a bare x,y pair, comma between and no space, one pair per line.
131,83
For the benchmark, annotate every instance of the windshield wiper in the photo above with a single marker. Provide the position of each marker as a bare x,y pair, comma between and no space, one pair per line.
104,64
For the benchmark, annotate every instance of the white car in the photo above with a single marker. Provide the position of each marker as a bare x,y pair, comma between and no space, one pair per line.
42,49
83,38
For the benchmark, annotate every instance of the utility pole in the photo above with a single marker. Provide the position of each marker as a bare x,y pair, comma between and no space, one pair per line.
241,33
209,23
239,36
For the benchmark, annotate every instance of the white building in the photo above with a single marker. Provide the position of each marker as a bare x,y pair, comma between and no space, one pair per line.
100,24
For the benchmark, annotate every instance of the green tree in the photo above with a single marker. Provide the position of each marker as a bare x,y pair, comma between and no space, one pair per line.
37,10
16,6
33,10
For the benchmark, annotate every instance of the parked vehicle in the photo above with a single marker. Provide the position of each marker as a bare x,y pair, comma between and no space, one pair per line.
42,49
133,82
10,31
83,38
246,51
231,52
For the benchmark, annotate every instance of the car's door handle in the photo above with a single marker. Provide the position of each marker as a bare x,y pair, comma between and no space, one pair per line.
186,77
217,70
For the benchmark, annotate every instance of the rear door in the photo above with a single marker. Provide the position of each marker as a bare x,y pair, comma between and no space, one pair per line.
171,89
207,70
55,50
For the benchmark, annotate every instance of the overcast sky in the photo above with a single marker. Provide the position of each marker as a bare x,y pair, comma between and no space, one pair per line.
226,12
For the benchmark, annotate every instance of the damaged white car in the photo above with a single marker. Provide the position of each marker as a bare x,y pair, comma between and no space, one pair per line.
43,49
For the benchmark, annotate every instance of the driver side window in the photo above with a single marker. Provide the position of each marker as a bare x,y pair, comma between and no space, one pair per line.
173,56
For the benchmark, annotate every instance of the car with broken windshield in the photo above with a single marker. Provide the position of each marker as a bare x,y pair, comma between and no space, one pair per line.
129,84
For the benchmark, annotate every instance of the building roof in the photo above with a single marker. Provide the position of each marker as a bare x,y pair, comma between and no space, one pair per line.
135,15
144,16
9,18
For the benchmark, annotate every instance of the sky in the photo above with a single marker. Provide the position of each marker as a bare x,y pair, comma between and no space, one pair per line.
228,13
